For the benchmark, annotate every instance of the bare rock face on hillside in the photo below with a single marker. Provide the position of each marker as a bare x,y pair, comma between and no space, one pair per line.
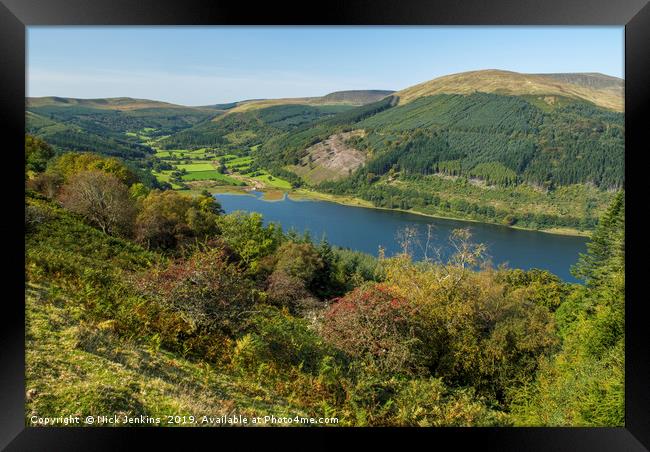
331,159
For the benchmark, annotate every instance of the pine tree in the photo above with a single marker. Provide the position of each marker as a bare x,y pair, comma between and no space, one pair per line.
606,250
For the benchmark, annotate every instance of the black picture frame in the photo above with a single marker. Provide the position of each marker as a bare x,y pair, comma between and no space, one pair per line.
15,15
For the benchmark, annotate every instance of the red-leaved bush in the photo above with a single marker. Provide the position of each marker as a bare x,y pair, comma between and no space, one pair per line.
208,291
374,324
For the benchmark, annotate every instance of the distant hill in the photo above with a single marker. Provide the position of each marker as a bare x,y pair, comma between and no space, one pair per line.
360,97
592,88
244,127
354,98
119,126
254,121
113,126
111,103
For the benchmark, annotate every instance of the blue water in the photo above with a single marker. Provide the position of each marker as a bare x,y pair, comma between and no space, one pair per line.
366,230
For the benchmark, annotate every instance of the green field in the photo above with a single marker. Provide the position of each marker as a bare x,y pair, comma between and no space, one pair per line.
161,304
274,182
239,161
196,166
164,154
198,152
210,175
239,164
201,169
165,176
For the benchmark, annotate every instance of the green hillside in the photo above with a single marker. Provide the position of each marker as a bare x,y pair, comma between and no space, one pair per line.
515,160
86,357
110,126
251,127
574,143
110,103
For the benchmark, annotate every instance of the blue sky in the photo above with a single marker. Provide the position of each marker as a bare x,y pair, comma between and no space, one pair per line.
207,65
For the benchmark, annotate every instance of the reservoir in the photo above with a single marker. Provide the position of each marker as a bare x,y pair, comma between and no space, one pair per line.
366,230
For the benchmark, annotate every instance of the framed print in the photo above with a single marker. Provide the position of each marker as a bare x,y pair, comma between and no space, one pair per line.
371,218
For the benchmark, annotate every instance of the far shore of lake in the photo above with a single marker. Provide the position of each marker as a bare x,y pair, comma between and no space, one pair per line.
302,194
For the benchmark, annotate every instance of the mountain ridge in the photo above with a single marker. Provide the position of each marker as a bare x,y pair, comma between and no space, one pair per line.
349,97
106,103
516,84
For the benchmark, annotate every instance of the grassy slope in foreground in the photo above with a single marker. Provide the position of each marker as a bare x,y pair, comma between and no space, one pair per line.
84,369
79,365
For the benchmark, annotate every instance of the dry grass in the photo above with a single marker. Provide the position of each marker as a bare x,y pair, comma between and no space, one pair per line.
79,368
512,83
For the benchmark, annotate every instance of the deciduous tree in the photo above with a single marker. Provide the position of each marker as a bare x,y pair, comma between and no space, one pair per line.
102,199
